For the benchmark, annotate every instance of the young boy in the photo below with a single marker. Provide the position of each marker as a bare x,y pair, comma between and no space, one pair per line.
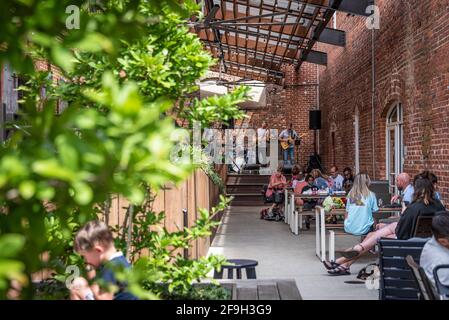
95,243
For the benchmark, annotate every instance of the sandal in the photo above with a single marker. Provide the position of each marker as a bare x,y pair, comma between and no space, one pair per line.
339,271
330,265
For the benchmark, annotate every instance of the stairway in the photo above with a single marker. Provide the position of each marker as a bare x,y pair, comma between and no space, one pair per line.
246,188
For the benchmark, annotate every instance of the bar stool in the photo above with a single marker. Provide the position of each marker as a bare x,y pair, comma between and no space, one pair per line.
238,265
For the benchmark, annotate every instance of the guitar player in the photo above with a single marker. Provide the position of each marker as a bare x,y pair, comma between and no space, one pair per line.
287,139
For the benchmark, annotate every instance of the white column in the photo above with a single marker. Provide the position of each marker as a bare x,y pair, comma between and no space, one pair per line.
323,233
317,233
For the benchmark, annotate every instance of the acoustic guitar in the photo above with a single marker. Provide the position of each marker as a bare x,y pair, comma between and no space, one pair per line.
285,144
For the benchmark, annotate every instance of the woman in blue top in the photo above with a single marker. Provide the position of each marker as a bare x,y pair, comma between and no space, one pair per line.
320,180
360,206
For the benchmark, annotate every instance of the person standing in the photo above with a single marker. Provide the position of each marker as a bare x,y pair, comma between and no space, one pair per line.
263,136
287,138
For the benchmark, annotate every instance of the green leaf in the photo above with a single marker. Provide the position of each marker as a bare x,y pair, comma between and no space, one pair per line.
83,193
63,57
52,169
94,42
11,244
27,189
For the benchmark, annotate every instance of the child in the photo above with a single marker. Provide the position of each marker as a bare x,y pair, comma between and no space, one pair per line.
95,243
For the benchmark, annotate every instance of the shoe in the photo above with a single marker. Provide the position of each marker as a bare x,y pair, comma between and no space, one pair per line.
339,271
329,265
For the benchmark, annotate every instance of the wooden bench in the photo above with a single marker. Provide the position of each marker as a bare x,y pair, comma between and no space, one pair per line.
276,289
332,234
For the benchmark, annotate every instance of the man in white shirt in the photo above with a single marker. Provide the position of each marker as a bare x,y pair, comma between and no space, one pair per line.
262,133
436,250
405,187
336,179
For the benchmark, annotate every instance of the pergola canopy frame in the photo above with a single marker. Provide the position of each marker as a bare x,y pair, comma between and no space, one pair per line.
254,38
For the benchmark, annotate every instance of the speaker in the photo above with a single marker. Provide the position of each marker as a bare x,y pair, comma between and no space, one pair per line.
315,119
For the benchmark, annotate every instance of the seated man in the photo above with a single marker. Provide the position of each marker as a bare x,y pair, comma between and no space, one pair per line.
95,243
335,179
436,250
308,204
406,189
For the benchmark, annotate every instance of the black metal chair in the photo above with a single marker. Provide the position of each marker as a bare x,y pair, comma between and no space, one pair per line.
423,227
425,286
443,290
396,278
238,265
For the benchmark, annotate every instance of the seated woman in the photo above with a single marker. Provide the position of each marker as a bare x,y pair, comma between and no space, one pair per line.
296,176
360,205
423,203
278,182
320,180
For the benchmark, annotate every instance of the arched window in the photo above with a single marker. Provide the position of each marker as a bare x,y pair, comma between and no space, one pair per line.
394,145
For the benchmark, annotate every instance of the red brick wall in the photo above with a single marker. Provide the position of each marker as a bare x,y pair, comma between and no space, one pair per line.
411,67
291,104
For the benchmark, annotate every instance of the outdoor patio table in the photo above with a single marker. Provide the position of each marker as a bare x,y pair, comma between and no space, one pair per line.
320,226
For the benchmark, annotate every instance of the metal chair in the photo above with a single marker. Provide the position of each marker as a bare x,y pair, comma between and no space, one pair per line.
396,278
443,290
424,285
423,227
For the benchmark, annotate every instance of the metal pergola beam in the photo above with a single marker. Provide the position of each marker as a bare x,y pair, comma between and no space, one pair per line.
217,22
213,9
357,7
256,38
332,36
273,73
316,57
231,48
318,30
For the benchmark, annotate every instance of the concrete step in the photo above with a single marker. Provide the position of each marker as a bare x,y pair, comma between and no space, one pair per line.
238,189
248,199
247,179
247,203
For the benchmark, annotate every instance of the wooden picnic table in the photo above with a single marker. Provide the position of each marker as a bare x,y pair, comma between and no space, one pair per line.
320,225
291,217
319,196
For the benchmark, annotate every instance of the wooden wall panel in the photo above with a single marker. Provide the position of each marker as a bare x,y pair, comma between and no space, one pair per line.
196,192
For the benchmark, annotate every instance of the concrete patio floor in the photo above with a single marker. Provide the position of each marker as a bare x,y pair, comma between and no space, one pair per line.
281,254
